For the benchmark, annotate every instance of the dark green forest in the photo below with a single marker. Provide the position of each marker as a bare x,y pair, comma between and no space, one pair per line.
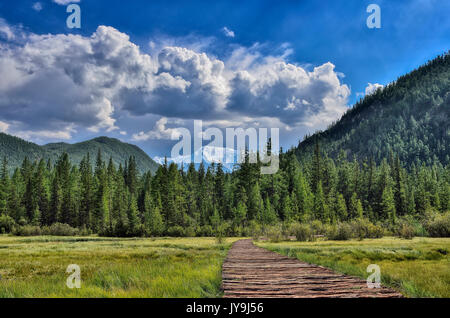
16,149
410,117
116,201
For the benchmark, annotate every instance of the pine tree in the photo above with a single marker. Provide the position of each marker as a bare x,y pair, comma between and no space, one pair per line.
134,223
255,202
359,209
132,176
353,206
41,192
240,214
388,205
303,195
317,168
153,219
36,218
86,192
399,190
320,207
341,208
4,187
269,215
55,201
101,205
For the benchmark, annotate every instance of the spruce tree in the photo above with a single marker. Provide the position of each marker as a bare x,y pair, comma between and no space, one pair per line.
4,187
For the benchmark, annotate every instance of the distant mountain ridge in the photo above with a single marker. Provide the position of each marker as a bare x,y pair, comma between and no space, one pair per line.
409,117
15,149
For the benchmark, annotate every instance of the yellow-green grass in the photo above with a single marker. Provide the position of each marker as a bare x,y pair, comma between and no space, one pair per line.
111,267
417,268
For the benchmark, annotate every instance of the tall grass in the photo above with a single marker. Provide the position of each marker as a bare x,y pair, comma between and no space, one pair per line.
111,267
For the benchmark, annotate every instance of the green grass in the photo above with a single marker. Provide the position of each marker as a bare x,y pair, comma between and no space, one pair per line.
111,267
417,268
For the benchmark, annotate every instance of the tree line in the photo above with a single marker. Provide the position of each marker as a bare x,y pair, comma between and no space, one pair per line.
118,201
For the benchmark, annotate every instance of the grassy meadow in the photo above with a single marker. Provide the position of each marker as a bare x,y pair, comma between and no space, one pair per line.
417,268
111,267
191,267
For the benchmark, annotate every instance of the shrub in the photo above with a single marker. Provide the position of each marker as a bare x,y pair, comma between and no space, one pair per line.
27,230
59,229
340,232
254,230
274,234
360,228
7,224
439,225
220,233
190,231
303,232
175,231
405,230
206,230
318,228
374,231
84,231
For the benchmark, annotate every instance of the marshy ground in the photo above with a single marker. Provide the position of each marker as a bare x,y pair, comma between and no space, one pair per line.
192,267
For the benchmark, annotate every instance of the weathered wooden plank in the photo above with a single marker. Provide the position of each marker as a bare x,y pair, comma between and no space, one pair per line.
250,271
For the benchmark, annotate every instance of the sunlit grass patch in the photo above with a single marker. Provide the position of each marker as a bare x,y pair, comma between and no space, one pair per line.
112,267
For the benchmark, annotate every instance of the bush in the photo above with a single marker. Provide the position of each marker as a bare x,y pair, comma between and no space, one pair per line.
60,229
340,232
190,231
84,231
254,230
318,228
303,232
7,224
405,230
274,234
27,230
362,228
207,230
375,231
175,231
439,225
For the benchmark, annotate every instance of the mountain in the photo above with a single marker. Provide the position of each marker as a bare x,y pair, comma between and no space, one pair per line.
209,155
15,150
409,117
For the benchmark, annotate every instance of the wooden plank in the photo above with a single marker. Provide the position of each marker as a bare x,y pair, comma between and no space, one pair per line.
252,272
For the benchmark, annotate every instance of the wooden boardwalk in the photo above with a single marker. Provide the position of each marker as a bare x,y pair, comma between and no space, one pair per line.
250,271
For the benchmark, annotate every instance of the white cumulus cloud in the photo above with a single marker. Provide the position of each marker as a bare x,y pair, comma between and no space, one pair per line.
3,127
159,131
55,81
371,88
228,33
6,30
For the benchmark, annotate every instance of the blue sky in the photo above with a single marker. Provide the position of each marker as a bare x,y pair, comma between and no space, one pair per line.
310,36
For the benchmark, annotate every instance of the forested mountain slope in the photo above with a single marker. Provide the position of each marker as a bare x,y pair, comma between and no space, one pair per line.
409,117
15,150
